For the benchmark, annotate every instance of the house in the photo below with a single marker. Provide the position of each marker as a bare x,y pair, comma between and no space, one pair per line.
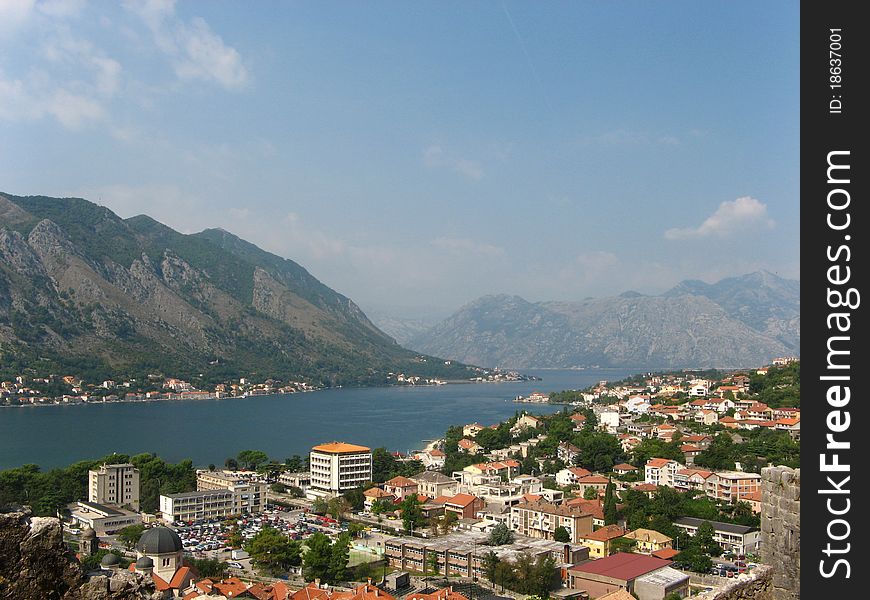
706,417
571,476
527,421
434,484
753,499
593,507
694,479
637,404
620,571
690,451
472,429
649,540
400,487
567,452
464,506
792,425
759,411
504,468
375,494
661,471
595,482
579,420
600,540
664,431
699,388
645,488
624,469
469,446
701,441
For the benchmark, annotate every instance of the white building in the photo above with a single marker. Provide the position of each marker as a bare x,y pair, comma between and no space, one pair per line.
114,485
337,467
249,495
194,506
661,471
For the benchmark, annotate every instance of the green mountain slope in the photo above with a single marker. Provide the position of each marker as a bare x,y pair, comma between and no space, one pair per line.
85,291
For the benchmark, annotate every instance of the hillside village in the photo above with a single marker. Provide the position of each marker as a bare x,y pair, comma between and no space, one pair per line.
650,485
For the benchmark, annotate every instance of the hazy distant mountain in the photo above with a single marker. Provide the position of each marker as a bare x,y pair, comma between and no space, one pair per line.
401,329
85,291
740,321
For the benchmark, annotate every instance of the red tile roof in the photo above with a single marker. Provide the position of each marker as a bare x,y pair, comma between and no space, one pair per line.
624,467
608,532
665,553
624,566
658,463
178,579
400,481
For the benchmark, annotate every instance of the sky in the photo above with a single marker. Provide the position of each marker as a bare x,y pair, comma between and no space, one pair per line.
415,156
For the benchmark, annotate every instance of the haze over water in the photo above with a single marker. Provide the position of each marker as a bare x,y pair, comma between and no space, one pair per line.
209,431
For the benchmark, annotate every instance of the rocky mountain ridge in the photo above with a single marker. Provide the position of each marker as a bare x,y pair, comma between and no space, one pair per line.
737,322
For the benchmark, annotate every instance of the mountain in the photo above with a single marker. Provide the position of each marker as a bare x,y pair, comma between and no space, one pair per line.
84,291
737,322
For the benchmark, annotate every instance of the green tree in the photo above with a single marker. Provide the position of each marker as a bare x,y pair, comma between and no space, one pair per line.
274,552
590,493
610,513
231,464
355,499
316,560
208,567
336,507
501,535
252,458
490,563
278,488
235,538
339,555
412,514
561,535
129,536
319,506
432,563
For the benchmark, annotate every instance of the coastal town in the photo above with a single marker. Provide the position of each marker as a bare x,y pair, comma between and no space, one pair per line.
52,389
651,488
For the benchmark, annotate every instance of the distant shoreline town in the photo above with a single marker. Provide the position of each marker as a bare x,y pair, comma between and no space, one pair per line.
28,391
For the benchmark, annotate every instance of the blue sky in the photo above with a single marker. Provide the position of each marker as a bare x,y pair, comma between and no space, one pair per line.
417,155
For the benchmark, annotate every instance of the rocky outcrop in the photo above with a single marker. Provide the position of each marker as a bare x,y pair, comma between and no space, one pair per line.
35,564
756,586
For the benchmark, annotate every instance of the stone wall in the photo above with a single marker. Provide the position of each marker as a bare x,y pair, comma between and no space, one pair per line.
781,529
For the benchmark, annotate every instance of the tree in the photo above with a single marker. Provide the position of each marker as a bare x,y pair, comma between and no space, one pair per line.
381,506
231,464
278,488
208,567
412,515
622,544
252,458
590,493
501,535
319,506
235,538
274,552
610,512
561,535
295,464
432,562
355,498
295,492
704,538
339,555
336,507
316,560
490,564
130,535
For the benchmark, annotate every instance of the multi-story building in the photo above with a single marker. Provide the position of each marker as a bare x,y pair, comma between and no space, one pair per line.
730,486
649,540
114,485
734,538
194,506
249,495
434,484
462,552
337,467
661,471
540,520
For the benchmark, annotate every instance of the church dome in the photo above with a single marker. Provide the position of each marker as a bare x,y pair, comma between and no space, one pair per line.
144,563
159,540
88,533
110,560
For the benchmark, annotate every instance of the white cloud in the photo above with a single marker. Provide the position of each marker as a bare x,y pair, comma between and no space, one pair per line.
15,12
731,218
435,157
60,9
194,50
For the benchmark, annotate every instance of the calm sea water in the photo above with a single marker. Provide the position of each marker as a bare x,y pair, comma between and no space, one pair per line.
209,431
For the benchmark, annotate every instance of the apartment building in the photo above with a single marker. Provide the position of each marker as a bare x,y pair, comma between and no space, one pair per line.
114,485
249,495
434,484
540,520
194,506
729,486
661,471
337,467
733,538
